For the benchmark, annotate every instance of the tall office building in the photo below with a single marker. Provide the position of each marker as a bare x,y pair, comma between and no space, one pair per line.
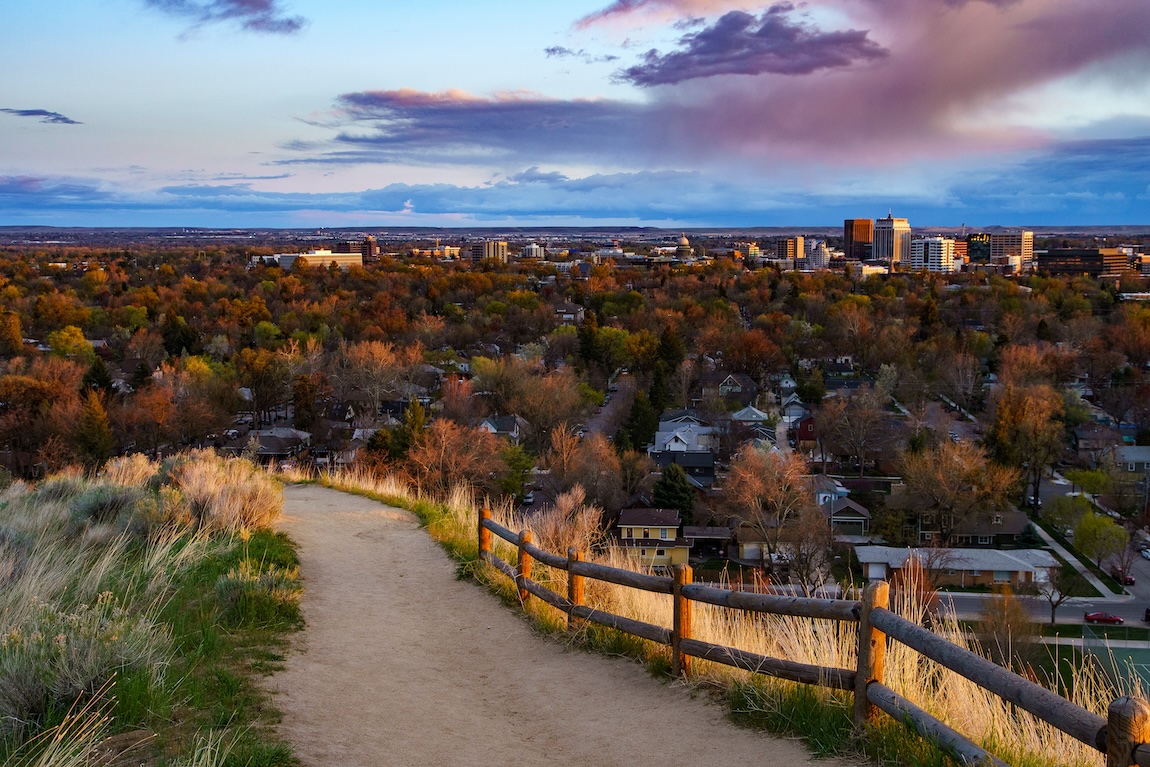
790,249
891,240
934,254
492,249
858,237
1012,251
534,250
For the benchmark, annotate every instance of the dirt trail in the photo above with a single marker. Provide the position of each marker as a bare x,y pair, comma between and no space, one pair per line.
402,664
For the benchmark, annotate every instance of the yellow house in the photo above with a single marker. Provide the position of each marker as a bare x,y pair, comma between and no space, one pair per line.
652,535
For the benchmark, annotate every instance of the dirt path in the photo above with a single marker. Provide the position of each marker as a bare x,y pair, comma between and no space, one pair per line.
401,664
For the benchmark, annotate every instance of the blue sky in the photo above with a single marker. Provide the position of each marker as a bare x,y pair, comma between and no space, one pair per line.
301,113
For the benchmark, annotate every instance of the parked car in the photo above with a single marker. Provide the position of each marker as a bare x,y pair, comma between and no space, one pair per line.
1126,580
1100,617
529,498
1146,615
1145,553
1034,502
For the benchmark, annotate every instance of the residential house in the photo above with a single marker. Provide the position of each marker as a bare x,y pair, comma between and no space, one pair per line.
689,441
990,529
1094,444
805,433
652,535
511,427
732,387
707,542
961,567
699,465
849,520
1133,464
570,314
793,409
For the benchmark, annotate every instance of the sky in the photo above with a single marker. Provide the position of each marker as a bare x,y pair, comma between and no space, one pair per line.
678,113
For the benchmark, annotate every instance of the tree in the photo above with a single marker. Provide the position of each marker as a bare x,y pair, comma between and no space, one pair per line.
1063,583
69,342
809,541
954,482
266,375
1099,537
766,492
1005,629
448,455
94,439
408,432
1027,431
11,335
597,470
854,424
674,491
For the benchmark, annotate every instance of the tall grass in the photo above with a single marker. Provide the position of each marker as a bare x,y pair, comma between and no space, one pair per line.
819,714
105,578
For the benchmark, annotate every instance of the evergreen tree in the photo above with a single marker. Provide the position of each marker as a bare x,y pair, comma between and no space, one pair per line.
407,434
94,439
674,491
98,378
642,423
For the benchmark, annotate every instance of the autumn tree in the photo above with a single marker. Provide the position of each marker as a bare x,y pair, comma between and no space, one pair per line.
855,424
1027,432
449,455
765,492
11,335
596,468
1005,630
266,375
955,483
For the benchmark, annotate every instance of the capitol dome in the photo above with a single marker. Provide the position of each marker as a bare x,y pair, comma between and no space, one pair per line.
683,239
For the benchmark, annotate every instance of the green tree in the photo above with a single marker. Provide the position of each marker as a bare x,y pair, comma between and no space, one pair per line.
519,464
1100,537
674,491
408,432
94,439
69,342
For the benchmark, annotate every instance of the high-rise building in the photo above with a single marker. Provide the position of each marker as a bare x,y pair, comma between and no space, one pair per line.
495,250
858,238
891,240
934,254
790,249
819,256
1012,251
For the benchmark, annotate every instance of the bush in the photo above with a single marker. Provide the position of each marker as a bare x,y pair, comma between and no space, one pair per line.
251,595
107,505
61,487
135,470
227,494
61,655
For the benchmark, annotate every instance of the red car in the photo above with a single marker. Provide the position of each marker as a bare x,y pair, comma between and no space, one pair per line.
1126,580
1101,617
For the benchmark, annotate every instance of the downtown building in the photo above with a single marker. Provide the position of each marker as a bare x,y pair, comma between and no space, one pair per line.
1012,252
891,240
491,250
932,254
858,238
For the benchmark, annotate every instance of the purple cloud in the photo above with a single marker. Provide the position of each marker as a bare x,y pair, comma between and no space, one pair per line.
456,127
266,16
45,116
561,52
740,44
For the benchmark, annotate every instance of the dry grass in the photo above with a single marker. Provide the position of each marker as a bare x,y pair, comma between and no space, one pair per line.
227,494
1013,734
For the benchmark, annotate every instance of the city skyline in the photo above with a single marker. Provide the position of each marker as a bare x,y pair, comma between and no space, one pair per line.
247,113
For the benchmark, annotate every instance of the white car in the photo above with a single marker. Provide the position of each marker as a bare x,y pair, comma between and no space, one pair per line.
1145,553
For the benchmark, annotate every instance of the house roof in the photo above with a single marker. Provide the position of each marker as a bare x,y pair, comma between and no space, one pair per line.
648,518
1014,522
692,532
1133,454
1021,560
750,414
845,507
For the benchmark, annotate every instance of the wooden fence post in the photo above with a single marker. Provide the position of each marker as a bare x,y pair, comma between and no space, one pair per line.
574,588
1127,726
524,565
680,663
871,651
484,535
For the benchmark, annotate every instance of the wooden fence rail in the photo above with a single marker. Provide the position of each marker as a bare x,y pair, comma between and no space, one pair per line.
1123,735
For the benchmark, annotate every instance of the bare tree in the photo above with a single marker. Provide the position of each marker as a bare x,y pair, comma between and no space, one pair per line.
810,549
1062,584
955,482
854,424
766,491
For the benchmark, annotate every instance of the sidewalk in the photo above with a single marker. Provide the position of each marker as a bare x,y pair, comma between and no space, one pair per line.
1103,589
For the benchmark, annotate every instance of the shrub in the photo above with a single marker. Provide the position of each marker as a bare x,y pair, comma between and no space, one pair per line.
61,655
107,505
135,470
61,487
251,595
15,549
227,494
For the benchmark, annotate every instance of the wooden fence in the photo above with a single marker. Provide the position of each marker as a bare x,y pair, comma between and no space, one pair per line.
1123,735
